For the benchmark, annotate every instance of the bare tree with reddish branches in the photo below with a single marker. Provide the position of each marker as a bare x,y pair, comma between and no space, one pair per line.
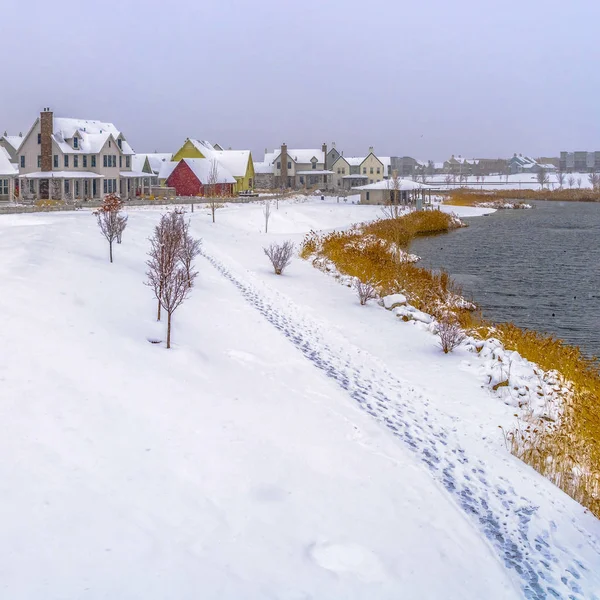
110,220
170,272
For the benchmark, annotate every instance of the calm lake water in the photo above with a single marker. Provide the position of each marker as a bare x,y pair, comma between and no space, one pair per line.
538,268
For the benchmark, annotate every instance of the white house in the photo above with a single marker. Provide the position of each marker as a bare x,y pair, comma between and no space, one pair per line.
8,176
63,158
390,191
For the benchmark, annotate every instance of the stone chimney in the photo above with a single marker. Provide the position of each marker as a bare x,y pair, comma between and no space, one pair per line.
324,151
46,128
284,161
370,149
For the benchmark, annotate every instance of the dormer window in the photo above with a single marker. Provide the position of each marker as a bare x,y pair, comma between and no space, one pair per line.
120,142
75,142
314,165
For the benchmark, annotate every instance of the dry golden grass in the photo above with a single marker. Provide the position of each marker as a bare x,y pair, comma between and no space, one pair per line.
468,197
567,452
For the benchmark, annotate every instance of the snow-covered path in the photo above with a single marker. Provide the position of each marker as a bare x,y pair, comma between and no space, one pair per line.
509,520
280,450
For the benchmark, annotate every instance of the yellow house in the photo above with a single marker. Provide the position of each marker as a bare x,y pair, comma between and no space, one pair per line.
238,162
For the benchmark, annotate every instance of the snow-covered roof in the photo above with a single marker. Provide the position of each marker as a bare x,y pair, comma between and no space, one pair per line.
201,167
7,168
386,161
354,161
155,161
166,169
388,184
263,167
355,176
93,136
234,161
303,155
14,140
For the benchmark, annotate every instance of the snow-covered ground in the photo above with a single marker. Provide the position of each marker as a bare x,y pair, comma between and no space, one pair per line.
513,182
292,444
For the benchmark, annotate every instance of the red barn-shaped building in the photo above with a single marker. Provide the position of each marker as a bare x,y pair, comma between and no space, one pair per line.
201,177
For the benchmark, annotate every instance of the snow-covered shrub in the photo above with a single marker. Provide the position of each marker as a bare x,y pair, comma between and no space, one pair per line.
280,255
450,333
366,290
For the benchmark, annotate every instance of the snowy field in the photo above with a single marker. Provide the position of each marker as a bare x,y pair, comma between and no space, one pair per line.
517,181
292,445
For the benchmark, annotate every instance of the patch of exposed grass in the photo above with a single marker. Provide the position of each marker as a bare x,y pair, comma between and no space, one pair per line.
469,197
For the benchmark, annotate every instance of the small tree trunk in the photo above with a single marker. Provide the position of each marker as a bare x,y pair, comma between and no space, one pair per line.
158,312
169,330
110,250
213,208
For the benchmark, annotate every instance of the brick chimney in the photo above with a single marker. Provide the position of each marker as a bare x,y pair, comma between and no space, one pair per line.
47,128
284,161
324,151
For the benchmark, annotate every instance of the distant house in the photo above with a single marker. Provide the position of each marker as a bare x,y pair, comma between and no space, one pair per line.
388,192
238,163
193,177
8,176
298,168
580,162
458,165
526,164
350,171
76,158
11,143
150,164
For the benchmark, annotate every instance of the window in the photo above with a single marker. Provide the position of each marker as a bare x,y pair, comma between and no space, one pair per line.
110,186
22,161
67,186
55,161
3,187
343,170
39,161
364,170
76,161
93,160
378,170
109,144
128,162
339,170
105,158
32,186
66,161
75,143
39,138
84,161
371,170
289,165
367,196
339,183
279,165
120,162
314,165
120,142
301,179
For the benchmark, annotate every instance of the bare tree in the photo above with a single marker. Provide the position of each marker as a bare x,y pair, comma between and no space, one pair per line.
190,248
267,214
571,181
392,208
448,180
542,178
579,182
424,176
365,289
450,333
170,267
110,220
594,179
560,178
212,184
280,255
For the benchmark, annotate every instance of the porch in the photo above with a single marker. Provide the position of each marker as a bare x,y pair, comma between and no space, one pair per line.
313,178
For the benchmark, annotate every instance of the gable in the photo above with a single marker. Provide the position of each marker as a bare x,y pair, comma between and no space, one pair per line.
188,150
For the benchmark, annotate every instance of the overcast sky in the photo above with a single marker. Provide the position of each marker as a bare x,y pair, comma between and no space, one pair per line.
426,79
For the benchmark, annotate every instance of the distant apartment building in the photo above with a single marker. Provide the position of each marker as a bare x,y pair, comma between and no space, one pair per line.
579,162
